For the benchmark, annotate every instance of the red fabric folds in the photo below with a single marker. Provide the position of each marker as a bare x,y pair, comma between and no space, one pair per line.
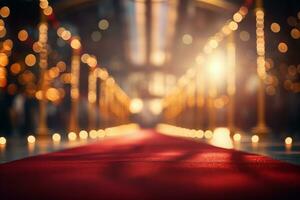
147,165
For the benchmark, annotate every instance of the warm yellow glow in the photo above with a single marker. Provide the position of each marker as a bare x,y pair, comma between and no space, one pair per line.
31,139
100,133
221,138
200,134
237,17
83,135
4,11
52,94
237,137
233,26
30,60
288,141
255,139
275,27
103,24
3,59
72,136
158,57
282,47
92,61
23,35
66,35
93,134
2,141
295,33
187,39
136,105
15,68
216,67
155,106
75,44
56,137
48,11
7,45
208,134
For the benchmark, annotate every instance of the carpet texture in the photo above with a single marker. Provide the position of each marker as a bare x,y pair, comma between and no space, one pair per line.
148,165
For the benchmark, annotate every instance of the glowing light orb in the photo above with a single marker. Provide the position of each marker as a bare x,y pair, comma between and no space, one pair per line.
56,137
255,139
288,140
72,136
31,139
2,141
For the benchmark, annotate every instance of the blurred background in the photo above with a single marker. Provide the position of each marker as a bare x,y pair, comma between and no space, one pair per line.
146,46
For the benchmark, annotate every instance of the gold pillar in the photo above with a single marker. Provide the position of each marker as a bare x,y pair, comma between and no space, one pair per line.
75,75
231,62
43,63
261,127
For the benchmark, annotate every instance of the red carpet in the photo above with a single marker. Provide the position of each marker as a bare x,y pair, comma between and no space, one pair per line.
148,165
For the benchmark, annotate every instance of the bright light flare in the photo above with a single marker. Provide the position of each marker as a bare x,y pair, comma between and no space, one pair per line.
136,105
255,139
83,135
2,141
288,141
237,137
31,139
221,138
72,136
93,134
215,68
208,134
56,137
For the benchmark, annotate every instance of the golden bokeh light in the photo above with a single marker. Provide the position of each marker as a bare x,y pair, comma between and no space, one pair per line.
48,11
282,47
295,33
75,44
275,27
72,136
187,39
3,60
255,139
52,94
288,141
56,137
31,139
7,45
233,26
83,135
4,11
136,105
103,24
93,134
30,60
23,35
100,133
237,17
3,32
15,68
2,140
208,134
237,137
